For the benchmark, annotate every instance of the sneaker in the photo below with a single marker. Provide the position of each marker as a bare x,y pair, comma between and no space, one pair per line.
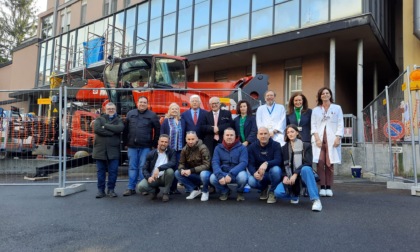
264,194
144,193
295,200
204,196
112,194
100,194
240,197
247,188
165,197
129,192
155,193
322,193
317,206
271,198
224,196
194,194
328,193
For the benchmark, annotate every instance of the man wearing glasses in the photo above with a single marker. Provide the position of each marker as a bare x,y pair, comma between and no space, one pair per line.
215,122
264,159
106,149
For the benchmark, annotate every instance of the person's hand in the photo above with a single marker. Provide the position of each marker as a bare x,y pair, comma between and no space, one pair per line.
258,176
286,181
222,181
151,180
337,141
292,179
216,129
186,173
155,173
318,143
228,179
245,143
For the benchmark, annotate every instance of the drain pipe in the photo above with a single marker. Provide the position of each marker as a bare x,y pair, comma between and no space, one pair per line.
416,18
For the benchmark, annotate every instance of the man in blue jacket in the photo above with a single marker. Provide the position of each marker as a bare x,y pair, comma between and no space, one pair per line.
141,134
159,169
264,165
229,162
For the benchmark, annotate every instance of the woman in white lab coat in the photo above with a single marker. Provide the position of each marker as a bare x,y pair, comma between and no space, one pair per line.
327,129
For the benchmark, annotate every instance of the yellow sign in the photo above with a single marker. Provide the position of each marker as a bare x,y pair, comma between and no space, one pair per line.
384,102
403,86
55,110
44,101
225,100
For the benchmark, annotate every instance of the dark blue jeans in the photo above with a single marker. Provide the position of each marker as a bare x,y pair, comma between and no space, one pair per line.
102,166
136,159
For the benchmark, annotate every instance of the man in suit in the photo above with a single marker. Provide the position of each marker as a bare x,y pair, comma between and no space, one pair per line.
215,122
194,116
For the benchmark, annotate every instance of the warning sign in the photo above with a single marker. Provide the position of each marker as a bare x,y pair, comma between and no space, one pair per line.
396,130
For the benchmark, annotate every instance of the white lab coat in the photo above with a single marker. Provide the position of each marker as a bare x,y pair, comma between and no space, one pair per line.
276,120
334,124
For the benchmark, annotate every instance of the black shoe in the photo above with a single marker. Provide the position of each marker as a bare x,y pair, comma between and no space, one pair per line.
305,193
174,192
212,189
155,194
129,192
100,194
112,194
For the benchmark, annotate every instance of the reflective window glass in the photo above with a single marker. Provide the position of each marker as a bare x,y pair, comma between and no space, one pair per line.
239,7
220,10
184,43
185,3
63,53
129,30
155,28
202,14
241,31
42,64
170,6
201,39
156,9
313,12
261,4
342,8
262,23
143,12
168,45
169,24
119,20
154,47
219,32
131,17
286,16
185,19
141,33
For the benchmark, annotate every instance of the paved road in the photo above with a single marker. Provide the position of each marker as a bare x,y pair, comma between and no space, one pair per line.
362,216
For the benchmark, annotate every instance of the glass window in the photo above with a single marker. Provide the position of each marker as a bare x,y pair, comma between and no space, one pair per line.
46,26
155,28
126,3
220,10
219,32
262,23
105,9
81,37
185,19
168,45
342,8
141,37
130,25
293,82
184,43
63,53
286,16
184,3
201,39
156,9
154,46
241,31
83,12
202,14
261,4
143,15
313,12
170,6
169,24
114,6
239,7
42,64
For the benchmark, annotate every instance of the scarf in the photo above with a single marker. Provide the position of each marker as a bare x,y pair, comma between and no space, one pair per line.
111,117
230,146
298,113
295,156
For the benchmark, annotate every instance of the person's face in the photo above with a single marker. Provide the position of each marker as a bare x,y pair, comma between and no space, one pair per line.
215,105
191,139
142,104
229,136
243,108
174,111
110,110
291,133
325,95
269,98
263,136
298,101
195,103
163,143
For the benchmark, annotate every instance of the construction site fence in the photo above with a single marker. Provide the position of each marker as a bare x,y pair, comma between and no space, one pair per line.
33,149
391,132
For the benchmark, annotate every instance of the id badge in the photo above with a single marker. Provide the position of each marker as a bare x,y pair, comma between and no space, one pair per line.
299,128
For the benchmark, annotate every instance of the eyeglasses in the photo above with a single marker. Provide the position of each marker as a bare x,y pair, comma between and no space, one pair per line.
215,103
110,108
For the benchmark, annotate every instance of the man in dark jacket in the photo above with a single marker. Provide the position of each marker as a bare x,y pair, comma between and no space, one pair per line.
141,133
194,117
194,167
264,160
229,163
158,170
106,148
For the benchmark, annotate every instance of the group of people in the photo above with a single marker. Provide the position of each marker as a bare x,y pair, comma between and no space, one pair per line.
272,151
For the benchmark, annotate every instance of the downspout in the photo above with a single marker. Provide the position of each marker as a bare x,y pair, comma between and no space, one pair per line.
416,18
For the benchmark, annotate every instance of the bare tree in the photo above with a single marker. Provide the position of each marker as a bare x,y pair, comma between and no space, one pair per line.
17,23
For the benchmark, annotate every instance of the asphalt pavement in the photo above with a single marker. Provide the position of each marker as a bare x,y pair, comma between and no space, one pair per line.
362,216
